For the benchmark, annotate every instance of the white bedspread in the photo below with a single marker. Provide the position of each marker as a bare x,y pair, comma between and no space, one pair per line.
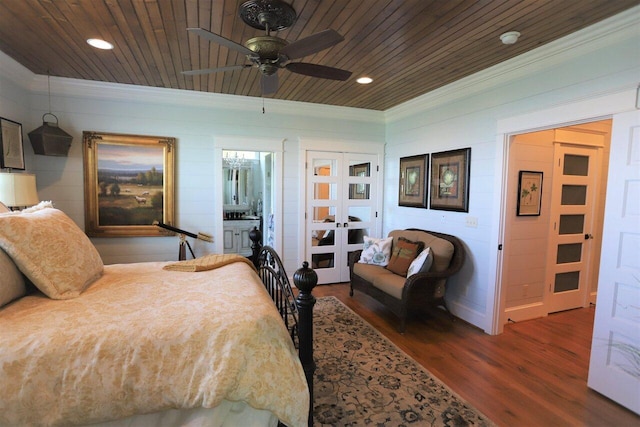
141,340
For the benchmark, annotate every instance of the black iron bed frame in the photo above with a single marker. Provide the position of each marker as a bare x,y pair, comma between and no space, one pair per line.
296,311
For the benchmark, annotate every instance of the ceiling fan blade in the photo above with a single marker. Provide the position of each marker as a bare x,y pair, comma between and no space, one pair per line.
321,71
215,70
269,84
221,40
312,44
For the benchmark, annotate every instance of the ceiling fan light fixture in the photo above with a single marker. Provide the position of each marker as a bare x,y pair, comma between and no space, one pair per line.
100,44
509,37
364,80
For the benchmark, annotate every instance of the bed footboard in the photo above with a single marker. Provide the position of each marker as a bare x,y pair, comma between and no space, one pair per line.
297,312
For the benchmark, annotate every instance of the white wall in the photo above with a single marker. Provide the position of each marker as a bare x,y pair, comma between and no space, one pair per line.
602,59
195,119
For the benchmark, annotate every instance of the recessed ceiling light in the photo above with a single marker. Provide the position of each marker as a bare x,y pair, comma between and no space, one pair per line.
364,80
100,44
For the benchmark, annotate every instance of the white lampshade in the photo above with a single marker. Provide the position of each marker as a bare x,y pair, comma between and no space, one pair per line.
18,189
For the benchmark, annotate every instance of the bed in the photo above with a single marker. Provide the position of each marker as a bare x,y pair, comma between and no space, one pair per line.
138,344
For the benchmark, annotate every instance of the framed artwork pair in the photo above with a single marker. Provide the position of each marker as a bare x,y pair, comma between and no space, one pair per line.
449,188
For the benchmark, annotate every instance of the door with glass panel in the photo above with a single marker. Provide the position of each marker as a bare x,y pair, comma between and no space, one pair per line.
341,209
572,218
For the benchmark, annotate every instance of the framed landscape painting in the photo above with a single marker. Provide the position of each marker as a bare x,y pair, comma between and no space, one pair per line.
412,188
450,180
128,184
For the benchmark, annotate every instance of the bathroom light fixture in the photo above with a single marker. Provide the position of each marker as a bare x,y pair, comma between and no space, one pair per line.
100,44
364,80
509,37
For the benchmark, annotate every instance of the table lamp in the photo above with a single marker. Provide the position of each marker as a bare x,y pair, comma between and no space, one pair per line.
18,189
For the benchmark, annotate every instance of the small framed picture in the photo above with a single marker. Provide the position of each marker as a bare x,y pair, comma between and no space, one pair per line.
413,181
12,155
450,180
529,193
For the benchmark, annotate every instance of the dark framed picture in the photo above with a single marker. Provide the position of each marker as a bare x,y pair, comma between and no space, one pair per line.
128,184
529,193
413,181
12,153
359,190
450,172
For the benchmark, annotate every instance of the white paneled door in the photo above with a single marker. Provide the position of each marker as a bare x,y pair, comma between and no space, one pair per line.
614,368
341,201
570,254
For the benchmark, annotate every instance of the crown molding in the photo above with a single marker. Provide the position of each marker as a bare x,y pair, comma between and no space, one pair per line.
609,31
62,86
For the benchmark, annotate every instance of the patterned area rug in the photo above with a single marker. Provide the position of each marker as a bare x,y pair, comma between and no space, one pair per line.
363,379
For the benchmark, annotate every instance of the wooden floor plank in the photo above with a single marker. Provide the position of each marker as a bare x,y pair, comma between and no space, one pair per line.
534,374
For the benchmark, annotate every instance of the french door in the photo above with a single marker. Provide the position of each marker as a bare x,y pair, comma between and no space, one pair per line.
340,210
574,196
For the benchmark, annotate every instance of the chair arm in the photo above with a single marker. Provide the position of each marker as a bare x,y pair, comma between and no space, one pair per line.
354,257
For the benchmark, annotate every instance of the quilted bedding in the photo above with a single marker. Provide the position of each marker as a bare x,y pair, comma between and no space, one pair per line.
141,339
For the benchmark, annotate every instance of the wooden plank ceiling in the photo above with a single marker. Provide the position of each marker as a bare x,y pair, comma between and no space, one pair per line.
408,47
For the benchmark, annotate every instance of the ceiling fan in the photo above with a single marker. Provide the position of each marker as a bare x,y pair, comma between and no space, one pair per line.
269,53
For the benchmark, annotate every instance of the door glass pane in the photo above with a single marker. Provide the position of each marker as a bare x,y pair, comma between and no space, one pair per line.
576,165
569,253
359,213
324,167
567,281
358,191
322,260
323,213
324,191
574,195
571,224
359,169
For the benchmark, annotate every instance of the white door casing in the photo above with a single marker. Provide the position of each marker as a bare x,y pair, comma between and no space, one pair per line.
614,370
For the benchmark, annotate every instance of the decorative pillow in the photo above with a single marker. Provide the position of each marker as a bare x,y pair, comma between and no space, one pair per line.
403,253
376,251
50,249
422,263
11,281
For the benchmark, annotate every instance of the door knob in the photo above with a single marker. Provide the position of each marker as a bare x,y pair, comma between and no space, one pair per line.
588,236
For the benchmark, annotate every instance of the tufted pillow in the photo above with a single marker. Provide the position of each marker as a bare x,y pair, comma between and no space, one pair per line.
50,249
376,251
422,263
11,281
402,254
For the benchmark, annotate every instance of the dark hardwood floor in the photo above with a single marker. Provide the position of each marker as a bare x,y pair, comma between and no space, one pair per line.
534,374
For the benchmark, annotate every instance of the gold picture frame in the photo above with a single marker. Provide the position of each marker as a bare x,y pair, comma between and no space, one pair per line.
412,188
128,184
450,172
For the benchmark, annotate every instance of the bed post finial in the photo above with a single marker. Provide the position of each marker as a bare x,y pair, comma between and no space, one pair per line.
305,280
255,236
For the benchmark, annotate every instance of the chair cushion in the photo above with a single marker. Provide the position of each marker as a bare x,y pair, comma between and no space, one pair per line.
402,255
383,279
442,249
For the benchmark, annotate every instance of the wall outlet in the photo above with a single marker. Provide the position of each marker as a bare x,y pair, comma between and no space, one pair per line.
472,221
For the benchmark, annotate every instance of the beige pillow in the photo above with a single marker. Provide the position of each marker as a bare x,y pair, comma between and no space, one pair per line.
11,281
50,249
